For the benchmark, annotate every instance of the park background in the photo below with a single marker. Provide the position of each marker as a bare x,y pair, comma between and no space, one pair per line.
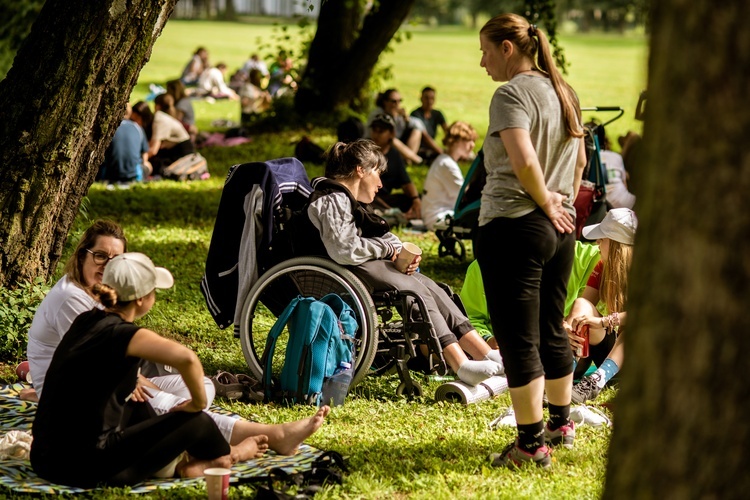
396,448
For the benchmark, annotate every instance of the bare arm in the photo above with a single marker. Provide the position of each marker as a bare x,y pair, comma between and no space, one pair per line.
525,164
580,165
152,347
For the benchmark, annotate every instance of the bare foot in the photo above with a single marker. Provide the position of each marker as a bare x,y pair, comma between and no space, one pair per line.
252,447
28,394
294,433
194,467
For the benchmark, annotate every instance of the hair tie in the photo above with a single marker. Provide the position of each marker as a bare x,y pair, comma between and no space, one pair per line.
532,30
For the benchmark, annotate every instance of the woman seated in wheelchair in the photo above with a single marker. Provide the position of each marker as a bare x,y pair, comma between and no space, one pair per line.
340,225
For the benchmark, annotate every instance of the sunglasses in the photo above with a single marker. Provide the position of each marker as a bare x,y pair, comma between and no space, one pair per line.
395,101
100,258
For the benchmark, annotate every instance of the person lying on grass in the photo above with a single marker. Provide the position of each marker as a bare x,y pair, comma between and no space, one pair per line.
73,295
338,224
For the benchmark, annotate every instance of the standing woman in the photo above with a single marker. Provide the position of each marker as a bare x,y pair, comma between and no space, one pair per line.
534,158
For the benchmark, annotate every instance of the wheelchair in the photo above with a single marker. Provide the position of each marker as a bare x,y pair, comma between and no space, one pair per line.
252,274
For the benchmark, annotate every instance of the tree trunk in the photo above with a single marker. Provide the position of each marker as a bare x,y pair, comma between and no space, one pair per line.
681,418
62,101
342,55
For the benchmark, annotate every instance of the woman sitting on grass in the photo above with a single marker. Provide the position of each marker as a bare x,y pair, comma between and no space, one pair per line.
608,283
73,295
339,225
106,438
168,140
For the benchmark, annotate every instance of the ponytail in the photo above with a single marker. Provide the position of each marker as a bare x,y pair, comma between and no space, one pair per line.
105,294
343,159
532,43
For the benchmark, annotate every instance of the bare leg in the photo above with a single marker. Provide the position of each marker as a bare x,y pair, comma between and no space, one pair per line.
527,401
558,390
252,447
284,438
473,344
407,153
28,394
414,140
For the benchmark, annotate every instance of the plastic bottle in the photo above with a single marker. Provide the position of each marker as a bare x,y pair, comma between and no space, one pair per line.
336,386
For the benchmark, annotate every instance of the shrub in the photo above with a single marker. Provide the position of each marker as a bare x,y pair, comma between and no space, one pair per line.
17,308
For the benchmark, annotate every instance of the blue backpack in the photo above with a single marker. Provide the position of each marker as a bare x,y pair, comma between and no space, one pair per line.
321,334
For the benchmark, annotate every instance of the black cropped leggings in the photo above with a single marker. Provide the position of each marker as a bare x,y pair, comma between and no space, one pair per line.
525,264
139,451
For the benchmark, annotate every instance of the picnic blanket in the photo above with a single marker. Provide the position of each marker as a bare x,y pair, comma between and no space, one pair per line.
461,392
18,475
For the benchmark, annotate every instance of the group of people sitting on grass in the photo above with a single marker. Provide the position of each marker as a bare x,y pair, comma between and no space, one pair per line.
147,141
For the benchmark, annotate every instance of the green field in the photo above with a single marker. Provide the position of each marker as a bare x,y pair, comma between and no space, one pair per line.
605,70
397,448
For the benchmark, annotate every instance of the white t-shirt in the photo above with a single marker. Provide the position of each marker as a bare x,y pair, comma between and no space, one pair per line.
212,81
51,322
617,192
168,130
441,188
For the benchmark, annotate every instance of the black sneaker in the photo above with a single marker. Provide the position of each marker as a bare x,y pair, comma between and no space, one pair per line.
513,456
586,389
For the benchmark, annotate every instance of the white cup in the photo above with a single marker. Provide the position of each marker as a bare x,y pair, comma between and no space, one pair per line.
217,483
409,252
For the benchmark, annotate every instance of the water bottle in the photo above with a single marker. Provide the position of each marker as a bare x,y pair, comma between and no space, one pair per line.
336,386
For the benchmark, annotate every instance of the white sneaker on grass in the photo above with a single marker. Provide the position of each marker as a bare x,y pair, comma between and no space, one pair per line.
506,419
588,415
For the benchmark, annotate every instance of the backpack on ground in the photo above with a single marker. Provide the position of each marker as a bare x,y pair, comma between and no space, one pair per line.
190,167
321,335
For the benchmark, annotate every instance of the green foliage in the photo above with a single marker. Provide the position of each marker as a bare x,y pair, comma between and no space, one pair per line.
17,308
16,22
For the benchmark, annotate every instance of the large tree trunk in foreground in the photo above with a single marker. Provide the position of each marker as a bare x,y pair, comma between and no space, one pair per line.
682,412
342,54
62,101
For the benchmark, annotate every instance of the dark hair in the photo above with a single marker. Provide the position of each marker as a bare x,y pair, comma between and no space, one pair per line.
142,109
343,159
532,43
165,102
74,265
384,96
350,129
176,89
428,89
255,77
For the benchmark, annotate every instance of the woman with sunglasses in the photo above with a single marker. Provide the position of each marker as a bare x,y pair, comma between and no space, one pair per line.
73,295
408,129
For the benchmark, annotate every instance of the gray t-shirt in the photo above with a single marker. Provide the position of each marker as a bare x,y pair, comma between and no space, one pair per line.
530,103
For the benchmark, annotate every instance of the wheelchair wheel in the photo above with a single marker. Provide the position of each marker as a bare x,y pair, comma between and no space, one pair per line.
452,246
415,391
309,277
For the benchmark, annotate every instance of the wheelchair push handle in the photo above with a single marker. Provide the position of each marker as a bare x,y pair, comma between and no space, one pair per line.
606,109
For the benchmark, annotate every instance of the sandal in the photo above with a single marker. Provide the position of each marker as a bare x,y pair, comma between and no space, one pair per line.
252,389
227,385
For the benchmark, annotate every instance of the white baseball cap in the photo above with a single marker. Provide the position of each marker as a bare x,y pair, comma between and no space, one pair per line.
133,276
619,225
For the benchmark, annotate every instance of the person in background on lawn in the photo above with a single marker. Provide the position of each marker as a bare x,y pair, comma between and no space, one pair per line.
212,84
408,130
444,179
618,194
184,106
168,140
338,224
432,119
255,63
608,284
395,176
586,258
126,157
534,157
253,99
195,67
72,295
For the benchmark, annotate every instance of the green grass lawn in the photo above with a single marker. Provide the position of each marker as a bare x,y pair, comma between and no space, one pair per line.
396,448
605,70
